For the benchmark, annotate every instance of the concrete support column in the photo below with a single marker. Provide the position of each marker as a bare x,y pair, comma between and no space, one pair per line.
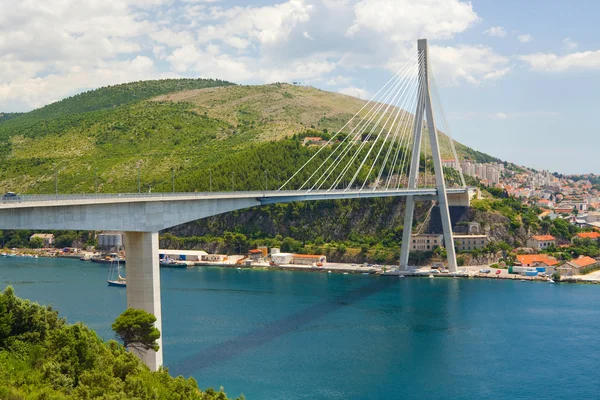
407,232
143,285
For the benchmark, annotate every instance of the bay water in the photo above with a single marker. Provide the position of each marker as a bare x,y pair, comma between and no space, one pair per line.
303,335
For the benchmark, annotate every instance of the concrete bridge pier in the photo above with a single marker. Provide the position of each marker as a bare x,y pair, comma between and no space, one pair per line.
143,285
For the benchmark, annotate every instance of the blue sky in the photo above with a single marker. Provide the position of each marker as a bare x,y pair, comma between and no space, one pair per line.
518,78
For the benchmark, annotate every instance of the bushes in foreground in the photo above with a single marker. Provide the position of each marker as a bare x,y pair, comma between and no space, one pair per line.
43,357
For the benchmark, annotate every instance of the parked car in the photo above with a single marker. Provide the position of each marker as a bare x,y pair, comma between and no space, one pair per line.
10,197
484,271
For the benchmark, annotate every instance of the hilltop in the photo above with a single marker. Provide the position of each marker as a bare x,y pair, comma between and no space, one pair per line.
97,140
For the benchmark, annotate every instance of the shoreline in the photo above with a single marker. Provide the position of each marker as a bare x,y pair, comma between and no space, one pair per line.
358,269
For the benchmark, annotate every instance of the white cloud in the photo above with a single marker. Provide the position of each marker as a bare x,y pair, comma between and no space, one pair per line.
75,43
356,92
503,115
434,19
569,44
473,64
525,38
555,63
43,90
495,31
209,64
339,80
267,25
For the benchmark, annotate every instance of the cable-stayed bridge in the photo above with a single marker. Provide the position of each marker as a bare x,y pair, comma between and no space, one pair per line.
389,148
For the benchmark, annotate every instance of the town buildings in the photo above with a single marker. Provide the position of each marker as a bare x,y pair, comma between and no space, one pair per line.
47,238
541,242
426,242
470,242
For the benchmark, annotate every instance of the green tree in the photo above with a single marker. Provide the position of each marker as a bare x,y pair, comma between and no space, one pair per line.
36,243
136,329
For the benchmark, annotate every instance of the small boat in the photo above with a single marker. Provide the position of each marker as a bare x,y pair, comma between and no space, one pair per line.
431,276
238,268
170,263
345,273
120,281
365,273
36,256
3,254
550,280
523,280
328,272
11,255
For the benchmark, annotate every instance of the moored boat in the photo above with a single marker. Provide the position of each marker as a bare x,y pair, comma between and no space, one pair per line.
120,281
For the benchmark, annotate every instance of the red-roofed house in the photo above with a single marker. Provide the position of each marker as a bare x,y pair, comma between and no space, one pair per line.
255,254
531,260
575,267
586,235
541,241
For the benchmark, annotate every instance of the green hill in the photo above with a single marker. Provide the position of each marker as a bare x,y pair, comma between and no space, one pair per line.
99,139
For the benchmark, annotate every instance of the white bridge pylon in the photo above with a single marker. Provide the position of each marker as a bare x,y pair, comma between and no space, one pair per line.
425,109
392,142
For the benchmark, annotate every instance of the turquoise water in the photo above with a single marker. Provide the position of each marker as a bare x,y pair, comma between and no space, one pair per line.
293,335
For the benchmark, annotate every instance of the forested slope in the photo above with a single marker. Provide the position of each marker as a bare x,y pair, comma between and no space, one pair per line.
43,357
98,140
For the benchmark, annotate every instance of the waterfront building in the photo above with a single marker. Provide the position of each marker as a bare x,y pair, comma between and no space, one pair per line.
255,254
531,260
281,258
574,267
426,242
213,257
182,255
541,241
470,242
47,238
308,259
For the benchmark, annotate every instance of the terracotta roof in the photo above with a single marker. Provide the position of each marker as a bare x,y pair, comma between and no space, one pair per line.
536,259
588,235
584,261
542,238
255,251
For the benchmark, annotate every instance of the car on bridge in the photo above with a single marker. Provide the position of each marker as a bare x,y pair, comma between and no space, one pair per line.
10,197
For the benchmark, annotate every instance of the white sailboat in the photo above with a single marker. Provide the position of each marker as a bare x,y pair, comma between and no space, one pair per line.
120,281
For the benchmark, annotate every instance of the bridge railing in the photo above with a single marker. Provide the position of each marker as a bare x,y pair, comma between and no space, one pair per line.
28,198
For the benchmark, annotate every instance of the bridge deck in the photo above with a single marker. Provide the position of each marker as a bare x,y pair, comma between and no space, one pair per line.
264,197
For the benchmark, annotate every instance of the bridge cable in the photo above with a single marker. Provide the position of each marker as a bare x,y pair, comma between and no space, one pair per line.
363,144
397,78
356,136
342,128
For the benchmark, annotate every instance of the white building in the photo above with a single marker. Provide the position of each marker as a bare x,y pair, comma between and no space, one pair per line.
182,255
541,241
282,258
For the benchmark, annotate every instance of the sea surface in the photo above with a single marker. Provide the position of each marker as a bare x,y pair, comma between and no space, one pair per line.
302,335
